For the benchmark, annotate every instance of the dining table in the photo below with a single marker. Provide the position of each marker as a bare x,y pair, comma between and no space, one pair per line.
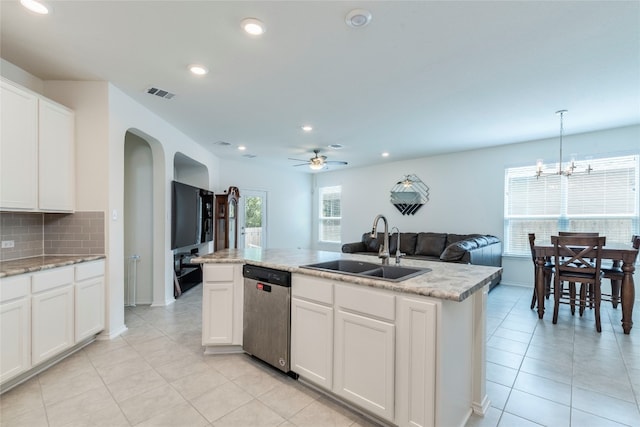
617,252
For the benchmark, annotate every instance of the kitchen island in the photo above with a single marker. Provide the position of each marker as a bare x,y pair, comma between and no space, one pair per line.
406,353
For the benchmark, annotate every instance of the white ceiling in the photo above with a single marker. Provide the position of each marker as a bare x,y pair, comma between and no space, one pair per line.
423,78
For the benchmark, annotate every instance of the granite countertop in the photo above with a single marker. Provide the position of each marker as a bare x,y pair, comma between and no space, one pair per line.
44,262
448,281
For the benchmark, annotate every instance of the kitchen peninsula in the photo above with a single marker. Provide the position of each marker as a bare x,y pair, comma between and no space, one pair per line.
410,352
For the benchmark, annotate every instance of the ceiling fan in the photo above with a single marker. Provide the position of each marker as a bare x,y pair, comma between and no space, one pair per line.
318,162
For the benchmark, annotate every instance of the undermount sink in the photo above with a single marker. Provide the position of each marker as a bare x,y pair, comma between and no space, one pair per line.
392,273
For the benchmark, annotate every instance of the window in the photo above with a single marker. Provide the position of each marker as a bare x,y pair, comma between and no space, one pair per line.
606,201
330,214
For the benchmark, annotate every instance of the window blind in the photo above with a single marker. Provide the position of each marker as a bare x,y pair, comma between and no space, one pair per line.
604,200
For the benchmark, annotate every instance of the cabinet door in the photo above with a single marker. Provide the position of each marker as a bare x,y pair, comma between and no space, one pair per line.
89,305
312,342
52,323
217,313
56,189
416,368
15,338
18,148
364,362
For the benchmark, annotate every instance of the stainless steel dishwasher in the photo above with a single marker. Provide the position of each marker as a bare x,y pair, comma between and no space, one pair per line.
267,315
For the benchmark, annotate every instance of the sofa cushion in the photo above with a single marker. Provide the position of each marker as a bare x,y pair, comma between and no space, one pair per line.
430,244
371,244
452,238
408,243
455,251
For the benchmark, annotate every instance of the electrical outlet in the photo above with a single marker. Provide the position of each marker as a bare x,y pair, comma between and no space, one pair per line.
8,244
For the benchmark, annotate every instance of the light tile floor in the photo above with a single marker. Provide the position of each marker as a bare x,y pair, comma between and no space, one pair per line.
156,375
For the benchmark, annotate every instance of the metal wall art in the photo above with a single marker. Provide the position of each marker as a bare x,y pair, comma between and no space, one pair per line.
409,194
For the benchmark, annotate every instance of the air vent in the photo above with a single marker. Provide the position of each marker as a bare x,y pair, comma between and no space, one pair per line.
160,92
249,156
222,143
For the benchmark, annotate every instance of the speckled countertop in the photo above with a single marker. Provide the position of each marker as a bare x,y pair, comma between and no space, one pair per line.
44,262
449,281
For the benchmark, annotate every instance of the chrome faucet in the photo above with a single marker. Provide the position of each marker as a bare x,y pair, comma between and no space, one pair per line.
398,253
383,253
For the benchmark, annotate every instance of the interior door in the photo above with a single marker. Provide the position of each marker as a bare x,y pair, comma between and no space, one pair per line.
252,219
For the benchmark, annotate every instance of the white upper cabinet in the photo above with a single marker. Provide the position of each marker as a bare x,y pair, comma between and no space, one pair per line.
18,148
56,157
37,152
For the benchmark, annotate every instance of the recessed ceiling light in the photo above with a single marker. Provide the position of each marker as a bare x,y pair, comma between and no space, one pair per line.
253,26
358,18
385,154
198,70
307,128
241,147
35,6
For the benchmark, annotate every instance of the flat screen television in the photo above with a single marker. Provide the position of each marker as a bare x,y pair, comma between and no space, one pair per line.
191,215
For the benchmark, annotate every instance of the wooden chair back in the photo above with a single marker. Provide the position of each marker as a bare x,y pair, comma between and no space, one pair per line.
578,258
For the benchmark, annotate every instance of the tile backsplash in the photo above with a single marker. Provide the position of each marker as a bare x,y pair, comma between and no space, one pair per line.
35,234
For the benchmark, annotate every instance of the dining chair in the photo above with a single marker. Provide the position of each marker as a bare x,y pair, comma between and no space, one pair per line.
578,259
615,274
583,287
547,271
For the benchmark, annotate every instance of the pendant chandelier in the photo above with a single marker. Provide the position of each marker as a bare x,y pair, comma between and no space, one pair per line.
567,170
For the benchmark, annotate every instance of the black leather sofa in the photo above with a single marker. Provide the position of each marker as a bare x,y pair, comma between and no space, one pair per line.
477,249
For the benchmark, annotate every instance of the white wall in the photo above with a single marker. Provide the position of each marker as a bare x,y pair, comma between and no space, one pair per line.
137,216
466,189
288,199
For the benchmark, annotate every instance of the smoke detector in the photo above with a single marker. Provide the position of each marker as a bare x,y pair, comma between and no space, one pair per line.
358,18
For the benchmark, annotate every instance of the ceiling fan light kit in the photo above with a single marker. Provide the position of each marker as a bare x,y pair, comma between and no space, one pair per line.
318,162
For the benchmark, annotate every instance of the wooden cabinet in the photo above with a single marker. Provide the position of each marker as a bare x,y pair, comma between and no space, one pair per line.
364,358
18,148
222,301
15,327
89,299
52,313
226,219
312,330
37,152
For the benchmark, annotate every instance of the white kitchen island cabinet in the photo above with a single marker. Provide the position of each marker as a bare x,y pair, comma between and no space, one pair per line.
312,329
222,301
37,152
407,353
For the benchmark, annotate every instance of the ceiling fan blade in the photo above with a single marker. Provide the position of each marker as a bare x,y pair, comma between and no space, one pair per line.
299,160
336,162
302,164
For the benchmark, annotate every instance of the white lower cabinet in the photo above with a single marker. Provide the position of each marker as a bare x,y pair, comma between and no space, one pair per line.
364,353
15,327
312,330
52,313
222,304
89,299
416,362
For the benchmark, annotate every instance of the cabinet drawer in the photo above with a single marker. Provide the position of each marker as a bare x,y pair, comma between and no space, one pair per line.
218,273
51,279
312,289
366,301
14,287
88,270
